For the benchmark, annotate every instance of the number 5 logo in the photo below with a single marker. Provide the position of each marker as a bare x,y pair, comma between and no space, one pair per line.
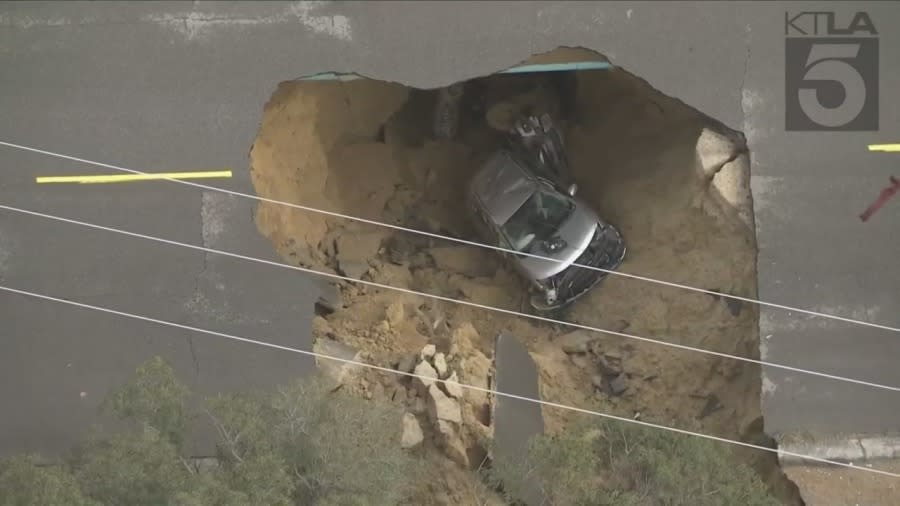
828,63
831,84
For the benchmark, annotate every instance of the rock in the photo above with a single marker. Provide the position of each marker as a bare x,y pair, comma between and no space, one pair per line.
358,246
714,149
597,381
418,406
612,355
581,360
407,363
425,376
607,368
355,270
395,314
336,373
456,450
442,407
711,406
398,250
428,352
462,340
419,260
477,372
451,386
577,342
465,260
450,442
412,432
440,365
320,326
617,385
621,325
595,348
445,431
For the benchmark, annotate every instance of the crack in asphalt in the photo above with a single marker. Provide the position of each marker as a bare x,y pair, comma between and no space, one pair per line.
745,112
204,264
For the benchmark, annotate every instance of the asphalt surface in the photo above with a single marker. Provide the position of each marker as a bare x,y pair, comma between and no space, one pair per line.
180,86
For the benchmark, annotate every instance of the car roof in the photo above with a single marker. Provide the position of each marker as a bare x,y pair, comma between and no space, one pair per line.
501,186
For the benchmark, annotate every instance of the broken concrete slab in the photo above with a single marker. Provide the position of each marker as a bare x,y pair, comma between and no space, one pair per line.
425,376
516,421
452,387
412,435
440,365
442,407
428,352
578,341
336,372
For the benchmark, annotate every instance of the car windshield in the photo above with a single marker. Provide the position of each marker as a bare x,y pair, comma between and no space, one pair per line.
539,219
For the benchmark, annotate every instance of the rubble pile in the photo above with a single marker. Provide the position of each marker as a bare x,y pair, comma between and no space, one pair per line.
605,365
440,407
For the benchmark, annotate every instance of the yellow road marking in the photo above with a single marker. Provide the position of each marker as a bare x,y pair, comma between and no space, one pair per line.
123,178
887,148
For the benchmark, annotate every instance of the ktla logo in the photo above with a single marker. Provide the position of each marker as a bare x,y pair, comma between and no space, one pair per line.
831,72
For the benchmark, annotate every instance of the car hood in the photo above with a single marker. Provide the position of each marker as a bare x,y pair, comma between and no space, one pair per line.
577,231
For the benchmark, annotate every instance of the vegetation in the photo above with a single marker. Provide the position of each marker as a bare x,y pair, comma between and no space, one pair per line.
608,463
304,445
299,445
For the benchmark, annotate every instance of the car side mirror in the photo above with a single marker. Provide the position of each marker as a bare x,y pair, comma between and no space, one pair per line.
572,189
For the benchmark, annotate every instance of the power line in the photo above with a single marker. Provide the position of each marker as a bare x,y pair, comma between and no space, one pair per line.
452,300
466,242
462,385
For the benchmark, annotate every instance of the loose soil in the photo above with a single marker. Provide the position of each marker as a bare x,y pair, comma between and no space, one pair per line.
673,180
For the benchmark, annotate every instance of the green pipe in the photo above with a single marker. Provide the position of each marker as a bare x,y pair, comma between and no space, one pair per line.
521,69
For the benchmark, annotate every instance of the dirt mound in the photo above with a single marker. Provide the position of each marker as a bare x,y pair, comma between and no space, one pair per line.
671,179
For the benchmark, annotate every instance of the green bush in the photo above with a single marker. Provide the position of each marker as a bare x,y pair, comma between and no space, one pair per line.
25,482
140,469
153,396
301,444
607,463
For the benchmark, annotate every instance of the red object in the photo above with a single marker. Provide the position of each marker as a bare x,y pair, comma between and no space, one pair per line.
885,195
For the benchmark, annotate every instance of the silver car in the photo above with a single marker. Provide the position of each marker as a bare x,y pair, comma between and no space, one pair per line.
524,200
